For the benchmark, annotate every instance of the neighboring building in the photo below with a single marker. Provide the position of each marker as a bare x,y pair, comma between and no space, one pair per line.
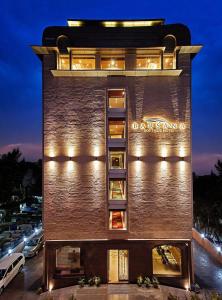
117,151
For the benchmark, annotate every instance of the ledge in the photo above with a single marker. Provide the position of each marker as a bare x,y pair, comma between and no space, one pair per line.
106,73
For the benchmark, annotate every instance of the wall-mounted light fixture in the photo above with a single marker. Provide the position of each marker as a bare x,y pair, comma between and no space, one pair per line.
96,158
182,158
164,158
138,158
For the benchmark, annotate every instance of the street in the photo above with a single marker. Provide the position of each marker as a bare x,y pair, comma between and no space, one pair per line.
207,273
25,284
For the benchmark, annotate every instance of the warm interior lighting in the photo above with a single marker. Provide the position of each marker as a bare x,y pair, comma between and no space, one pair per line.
116,99
117,159
83,62
151,62
63,62
112,63
166,260
109,23
141,23
169,61
74,23
117,220
116,129
117,189
118,265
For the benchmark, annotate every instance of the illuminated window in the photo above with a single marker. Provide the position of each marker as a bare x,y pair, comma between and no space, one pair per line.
83,62
117,189
117,159
151,62
63,62
116,98
117,219
112,63
169,61
68,261
166,260
116,129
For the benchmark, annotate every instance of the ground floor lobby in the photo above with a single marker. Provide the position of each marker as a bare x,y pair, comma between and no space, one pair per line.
117,261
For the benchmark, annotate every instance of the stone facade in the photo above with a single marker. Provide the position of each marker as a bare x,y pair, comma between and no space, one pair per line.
159,192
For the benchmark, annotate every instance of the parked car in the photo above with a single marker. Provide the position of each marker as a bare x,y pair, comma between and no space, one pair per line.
10,266
33,246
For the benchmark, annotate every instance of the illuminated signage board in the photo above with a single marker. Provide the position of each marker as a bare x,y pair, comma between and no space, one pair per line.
158,125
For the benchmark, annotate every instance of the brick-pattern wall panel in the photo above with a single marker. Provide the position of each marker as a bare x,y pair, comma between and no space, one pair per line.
160,194
74,126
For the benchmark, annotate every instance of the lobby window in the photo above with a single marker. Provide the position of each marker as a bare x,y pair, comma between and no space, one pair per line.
117,159
151,62
63,62
166,260
68,261
112,63
116,99
83,62
169,61
116,129
117,189
117,220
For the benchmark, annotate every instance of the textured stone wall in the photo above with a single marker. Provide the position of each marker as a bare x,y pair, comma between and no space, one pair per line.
159,192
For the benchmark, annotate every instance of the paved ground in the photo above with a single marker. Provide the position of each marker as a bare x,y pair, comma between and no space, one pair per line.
24,285
208,272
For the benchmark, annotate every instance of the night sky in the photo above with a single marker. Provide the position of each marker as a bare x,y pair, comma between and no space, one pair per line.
22,23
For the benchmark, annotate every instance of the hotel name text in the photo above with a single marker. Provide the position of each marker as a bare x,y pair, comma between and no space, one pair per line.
158,125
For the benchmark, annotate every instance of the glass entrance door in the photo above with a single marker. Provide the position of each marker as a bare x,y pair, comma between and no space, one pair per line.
118,265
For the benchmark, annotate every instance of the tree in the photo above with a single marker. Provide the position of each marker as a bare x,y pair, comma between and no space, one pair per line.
218,167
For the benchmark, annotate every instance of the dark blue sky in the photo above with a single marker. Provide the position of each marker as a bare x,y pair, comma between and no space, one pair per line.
22,23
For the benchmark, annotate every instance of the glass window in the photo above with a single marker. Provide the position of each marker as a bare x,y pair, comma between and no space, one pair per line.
151,62
117,219
83,62
117,189
117,159
116,98
169,61
166,260
116,129
68,261
63,62
112,63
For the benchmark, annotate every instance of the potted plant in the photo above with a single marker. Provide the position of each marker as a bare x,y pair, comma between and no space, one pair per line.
195,288
81,282
139,281
97,281
91,281
155,282
147,282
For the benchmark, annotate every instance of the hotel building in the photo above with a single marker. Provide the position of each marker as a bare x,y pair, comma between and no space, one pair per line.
117,151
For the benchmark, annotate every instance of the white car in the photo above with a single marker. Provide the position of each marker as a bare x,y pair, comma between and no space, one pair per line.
10,266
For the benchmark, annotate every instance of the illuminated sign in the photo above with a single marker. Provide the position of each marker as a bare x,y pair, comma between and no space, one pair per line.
158,125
